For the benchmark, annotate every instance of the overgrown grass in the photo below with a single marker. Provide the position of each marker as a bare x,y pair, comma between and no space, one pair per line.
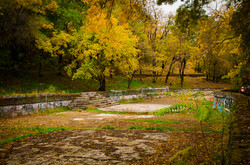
53,110
164,128
51,82
135,127
180,154
121,83
174,108
161,128
34,131
108,127
31,83
155,121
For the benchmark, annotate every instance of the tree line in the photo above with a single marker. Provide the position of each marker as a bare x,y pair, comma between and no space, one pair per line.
96,39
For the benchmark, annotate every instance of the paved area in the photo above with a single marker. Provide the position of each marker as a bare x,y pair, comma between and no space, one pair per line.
87,147
135,107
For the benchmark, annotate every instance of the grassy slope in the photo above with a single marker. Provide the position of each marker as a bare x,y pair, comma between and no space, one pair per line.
31,83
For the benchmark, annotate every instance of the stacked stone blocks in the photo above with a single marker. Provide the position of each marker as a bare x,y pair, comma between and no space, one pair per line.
94,99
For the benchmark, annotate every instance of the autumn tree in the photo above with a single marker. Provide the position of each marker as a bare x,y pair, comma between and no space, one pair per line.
134,15
186,20
103,47
240,25
219,44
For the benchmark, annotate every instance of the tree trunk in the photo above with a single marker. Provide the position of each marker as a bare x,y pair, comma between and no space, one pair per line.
14,58
102,82
154,72
183,65
162,67
60,65
172,62
130,81
199,68
154,77
140,75
214,73
40,66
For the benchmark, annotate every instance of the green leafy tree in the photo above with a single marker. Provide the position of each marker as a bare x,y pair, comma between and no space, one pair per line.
20,22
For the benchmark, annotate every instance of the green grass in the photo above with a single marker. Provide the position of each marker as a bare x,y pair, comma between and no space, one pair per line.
108,127
55,110
135,127
155,121
174,108
51,82
31,83
35,130
164,128
121,83
161,128
14,139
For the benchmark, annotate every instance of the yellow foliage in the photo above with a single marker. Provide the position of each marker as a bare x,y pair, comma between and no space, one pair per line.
37,6
48,26
52,6
103,46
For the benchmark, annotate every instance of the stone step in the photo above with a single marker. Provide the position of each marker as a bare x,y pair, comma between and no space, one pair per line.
89,94
83,97
92,98
80,101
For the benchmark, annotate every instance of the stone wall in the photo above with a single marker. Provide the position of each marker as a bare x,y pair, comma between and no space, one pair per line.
28,99
11,106
224,100
143,92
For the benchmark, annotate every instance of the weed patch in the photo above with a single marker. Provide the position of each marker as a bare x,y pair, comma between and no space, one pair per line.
135,127
53,110
161,128
108,127
37,130
155,121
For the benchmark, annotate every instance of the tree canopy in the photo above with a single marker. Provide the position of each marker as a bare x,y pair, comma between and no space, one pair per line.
98,39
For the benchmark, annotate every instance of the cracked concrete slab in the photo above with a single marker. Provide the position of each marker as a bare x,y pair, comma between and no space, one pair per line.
76,146
135,107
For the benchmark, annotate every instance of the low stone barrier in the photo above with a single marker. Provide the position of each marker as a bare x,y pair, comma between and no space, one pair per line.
144,92
11,106
224,100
